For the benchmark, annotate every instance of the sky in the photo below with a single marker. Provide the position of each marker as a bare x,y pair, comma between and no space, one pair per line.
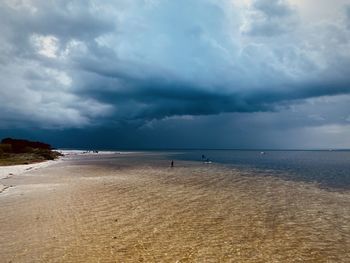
135,74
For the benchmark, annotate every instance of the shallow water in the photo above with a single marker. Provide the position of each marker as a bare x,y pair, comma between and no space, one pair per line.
329,169
138,209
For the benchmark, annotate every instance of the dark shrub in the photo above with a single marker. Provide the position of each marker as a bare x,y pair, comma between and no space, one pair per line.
28,149
6,148
20,146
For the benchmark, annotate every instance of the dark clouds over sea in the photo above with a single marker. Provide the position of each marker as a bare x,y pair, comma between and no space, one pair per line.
194,73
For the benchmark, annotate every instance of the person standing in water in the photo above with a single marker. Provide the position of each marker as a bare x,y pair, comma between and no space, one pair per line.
172,163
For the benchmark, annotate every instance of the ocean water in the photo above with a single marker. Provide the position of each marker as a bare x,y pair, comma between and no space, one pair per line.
328,169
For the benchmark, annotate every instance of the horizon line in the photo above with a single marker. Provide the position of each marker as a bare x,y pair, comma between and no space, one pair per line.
202,149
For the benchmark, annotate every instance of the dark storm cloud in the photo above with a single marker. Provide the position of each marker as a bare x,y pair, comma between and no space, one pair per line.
82,63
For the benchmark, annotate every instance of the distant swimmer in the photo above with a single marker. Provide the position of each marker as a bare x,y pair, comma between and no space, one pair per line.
172,164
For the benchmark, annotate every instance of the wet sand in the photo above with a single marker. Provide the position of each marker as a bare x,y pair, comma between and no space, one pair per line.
135,208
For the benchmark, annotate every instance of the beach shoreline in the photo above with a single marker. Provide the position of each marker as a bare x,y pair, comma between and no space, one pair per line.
135,207
10,170
6,172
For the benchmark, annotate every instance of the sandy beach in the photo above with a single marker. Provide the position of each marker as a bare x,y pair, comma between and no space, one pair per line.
7,172
135,208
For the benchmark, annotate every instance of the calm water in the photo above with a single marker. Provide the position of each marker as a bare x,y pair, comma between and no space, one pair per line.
330,169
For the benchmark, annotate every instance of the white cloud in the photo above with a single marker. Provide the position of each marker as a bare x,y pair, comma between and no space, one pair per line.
46,45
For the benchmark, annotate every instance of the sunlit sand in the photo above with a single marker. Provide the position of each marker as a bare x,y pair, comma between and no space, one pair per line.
135,208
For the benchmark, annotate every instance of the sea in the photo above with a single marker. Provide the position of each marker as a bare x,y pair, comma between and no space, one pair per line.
328,169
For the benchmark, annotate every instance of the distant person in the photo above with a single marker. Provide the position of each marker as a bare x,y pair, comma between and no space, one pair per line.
203,157
207,161
172,164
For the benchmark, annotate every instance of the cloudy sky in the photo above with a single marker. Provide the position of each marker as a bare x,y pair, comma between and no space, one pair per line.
176,73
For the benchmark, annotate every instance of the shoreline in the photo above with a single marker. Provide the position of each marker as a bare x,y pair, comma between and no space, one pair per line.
136,208
6,172
12,170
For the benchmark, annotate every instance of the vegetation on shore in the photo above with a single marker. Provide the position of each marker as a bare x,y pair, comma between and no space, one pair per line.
14,151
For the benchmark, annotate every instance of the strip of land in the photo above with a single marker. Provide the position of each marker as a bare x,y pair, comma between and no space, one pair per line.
18,151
